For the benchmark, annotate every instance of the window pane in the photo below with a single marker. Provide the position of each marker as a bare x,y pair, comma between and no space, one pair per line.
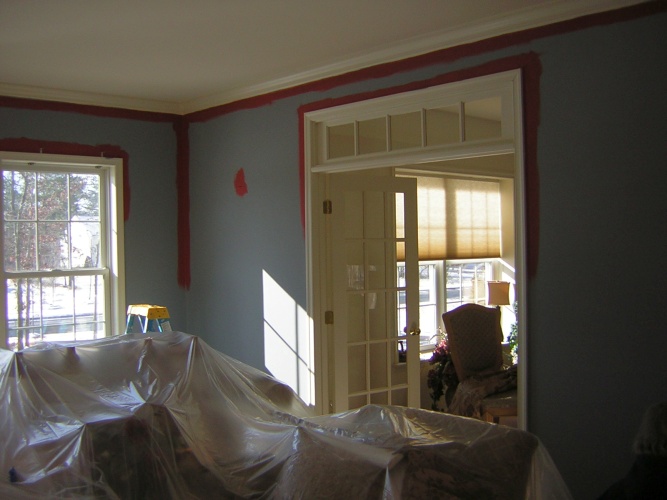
340,140
23,313
86,227
55,309
52,197
84,197
442,126
466,282
85,241
482,119
372,136
18,197
20,250
53,245
406,130
89,317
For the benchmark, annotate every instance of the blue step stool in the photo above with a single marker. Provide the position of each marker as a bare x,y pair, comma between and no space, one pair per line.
149,317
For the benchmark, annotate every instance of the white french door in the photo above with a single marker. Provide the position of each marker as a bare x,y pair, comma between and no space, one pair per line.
376,359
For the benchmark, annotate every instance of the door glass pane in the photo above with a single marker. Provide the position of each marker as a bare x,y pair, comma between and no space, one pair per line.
354,254
380,398
401,304
406,130
399,397
402,356
443,126
340,139
400,251
429,314
356,368
372,136
356,317
377,315
356,402
378,371
399,374
354,205
401,316
376,264
482,119
400,216
374,214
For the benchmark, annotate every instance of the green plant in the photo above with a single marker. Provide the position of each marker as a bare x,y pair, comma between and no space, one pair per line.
512,338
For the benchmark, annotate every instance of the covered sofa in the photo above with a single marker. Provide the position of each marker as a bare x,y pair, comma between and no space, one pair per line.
166,416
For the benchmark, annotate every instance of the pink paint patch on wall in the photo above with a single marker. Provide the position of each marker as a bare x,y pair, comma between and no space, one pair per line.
239,183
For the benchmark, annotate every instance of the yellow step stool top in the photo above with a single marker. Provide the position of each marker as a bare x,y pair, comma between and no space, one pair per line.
148,311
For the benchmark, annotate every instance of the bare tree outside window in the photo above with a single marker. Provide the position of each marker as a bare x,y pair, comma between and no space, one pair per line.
52,233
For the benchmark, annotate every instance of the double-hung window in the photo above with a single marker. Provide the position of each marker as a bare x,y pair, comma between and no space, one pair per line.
62,247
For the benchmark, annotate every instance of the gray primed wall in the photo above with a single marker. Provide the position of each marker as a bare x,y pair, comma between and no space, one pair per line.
234,239
150,231
598,337
597,342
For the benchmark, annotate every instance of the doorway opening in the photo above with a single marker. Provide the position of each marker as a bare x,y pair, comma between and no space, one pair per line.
463,133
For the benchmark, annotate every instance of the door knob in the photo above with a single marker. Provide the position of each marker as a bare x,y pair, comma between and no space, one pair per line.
414,329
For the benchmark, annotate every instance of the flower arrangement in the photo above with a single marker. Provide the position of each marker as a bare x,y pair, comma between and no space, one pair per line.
441,378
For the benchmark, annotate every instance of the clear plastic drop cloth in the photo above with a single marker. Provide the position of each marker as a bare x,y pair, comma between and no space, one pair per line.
165,416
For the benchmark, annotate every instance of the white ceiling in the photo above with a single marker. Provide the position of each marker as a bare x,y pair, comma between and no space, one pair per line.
184,55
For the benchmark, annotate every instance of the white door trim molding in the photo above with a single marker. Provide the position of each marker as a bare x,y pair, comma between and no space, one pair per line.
317,164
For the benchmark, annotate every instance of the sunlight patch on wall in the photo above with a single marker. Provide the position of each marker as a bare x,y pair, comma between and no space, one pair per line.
288,348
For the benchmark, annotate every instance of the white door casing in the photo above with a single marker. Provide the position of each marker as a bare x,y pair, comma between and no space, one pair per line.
320,164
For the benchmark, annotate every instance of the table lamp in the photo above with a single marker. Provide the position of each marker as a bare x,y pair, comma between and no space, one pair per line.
498,293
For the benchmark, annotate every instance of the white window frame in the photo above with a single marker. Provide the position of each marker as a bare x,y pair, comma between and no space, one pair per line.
112,215
491,274
440,289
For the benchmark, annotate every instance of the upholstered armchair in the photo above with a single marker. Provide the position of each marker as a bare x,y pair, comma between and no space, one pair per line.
485,390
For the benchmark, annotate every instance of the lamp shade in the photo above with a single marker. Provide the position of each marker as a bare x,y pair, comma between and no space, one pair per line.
498,293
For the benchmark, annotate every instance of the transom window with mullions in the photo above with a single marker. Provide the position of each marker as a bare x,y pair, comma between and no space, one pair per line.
62,275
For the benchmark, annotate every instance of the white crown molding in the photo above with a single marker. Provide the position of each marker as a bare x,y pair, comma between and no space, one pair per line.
88,99
529,17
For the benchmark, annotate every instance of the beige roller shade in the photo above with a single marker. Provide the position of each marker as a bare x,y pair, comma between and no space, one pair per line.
458,218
